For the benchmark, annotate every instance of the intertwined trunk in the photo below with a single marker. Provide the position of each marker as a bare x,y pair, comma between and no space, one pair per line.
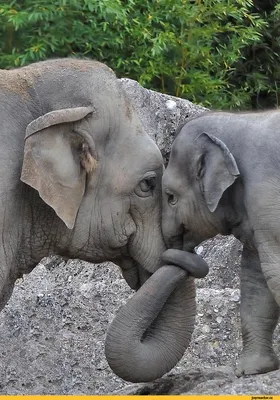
150,333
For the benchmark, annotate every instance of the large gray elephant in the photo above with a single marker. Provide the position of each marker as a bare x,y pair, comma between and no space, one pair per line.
223,177
79,177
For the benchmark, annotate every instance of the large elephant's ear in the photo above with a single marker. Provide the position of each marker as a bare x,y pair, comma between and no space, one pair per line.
57,159
218,170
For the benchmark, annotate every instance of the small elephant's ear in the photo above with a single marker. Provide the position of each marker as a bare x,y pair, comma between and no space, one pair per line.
218,170
57,159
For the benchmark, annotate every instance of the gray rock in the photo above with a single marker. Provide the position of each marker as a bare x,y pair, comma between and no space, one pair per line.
160,114
223,253
52,335
181,383
53,328
217,381
261,384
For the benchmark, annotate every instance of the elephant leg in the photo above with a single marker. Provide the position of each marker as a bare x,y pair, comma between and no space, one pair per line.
259,316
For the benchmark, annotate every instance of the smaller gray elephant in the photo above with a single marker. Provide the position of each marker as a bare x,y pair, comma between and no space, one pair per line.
223,177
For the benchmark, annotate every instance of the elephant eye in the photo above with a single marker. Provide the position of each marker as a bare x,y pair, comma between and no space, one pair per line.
171,198
146,186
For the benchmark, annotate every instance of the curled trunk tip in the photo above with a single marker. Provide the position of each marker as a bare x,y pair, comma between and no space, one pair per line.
151,331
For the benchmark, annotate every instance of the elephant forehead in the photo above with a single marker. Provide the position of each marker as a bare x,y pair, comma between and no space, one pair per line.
172,178
183,145
133,163
146,151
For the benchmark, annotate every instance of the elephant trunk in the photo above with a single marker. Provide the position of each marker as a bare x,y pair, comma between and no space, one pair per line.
151,331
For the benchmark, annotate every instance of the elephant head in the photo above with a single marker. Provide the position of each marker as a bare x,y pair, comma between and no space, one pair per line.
200,174
90,160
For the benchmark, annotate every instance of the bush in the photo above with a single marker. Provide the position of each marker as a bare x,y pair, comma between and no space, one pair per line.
196,49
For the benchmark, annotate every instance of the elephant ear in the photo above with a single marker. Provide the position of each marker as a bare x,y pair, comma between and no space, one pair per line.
218,170
57,159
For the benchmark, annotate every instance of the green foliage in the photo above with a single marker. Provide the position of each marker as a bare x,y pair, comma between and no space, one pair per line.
219,53
259,70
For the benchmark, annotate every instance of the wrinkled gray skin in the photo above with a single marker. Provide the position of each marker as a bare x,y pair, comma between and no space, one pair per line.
80,178
157,336
223,177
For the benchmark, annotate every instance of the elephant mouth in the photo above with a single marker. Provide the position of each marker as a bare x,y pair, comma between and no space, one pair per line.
188,247
183,241
189,242
133,273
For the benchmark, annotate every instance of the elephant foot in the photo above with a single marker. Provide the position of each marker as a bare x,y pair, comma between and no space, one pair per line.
258,363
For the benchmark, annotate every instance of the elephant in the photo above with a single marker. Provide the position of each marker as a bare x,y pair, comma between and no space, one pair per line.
80,178
223,177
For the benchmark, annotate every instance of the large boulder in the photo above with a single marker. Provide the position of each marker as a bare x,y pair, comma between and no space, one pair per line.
52,331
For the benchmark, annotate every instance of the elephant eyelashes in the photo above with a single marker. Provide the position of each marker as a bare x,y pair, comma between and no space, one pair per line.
146,186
